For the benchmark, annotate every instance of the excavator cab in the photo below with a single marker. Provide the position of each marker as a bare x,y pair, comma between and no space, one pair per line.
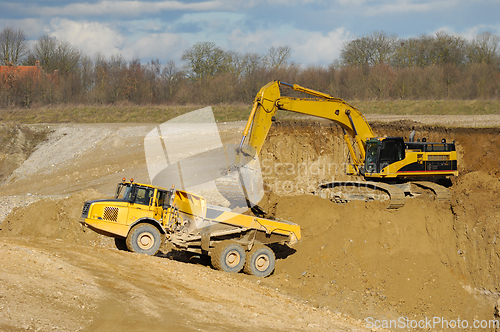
381,152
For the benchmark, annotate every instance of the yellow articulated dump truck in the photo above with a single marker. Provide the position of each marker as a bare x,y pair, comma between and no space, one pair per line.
143,217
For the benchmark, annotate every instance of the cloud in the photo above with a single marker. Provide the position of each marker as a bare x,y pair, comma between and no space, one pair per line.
164,46
405,7
308,48
314,48
470,33
90,37
314,29
94,37
30,26
115,8
380,8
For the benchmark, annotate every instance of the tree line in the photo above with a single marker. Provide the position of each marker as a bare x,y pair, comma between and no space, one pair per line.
373,66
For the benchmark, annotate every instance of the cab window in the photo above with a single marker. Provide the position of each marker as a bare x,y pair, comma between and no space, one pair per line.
160,197
392,151
143,195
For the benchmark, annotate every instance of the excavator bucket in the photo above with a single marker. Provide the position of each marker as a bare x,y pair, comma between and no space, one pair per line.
242,183
187,152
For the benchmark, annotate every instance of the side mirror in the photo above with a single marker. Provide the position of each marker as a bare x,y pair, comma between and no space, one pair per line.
169,200
172,197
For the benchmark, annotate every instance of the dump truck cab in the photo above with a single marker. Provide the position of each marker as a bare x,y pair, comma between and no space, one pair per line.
133,203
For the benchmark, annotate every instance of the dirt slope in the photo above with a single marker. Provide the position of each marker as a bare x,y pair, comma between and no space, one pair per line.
426,259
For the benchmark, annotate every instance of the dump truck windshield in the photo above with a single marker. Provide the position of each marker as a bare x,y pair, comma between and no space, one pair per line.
123,191
134,194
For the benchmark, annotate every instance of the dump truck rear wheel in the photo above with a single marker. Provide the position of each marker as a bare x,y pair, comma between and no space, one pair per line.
144,239
228,256
260,261
121,243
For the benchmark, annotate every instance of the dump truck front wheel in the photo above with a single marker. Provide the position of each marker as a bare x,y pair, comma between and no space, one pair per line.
144,239
260,261
121,243
228,256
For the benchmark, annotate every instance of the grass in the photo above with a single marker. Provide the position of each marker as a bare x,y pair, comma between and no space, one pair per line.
429,107
117,113
127,113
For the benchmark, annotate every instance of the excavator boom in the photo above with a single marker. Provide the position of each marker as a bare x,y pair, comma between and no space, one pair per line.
269,100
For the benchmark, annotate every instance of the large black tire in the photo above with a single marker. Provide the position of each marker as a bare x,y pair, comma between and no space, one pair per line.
144,239
260,261
121,243
228,256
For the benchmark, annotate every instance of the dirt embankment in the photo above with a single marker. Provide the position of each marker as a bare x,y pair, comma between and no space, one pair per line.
426,259
17,143
300,154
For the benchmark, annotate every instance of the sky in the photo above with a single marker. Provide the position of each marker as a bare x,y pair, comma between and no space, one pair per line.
315,30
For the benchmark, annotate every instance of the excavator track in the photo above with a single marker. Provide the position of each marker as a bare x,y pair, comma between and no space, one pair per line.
396,195
442,193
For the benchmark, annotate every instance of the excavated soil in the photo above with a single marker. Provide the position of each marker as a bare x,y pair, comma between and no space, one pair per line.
355,261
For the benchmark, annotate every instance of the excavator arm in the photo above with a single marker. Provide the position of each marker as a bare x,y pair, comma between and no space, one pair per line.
269,100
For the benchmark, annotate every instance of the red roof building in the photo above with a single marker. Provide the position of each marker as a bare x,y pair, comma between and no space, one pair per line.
22,70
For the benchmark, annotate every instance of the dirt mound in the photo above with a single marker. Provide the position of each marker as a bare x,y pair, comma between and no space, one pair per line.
18,142
476,219
426,259
54,219
422,260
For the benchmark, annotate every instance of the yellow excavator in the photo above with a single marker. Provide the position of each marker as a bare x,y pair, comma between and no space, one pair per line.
381,161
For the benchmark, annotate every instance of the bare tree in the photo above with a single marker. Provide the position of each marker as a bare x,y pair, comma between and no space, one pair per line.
355,52
413,52
485,49
448,49
13,46
54,54
374,49
278,57
205,59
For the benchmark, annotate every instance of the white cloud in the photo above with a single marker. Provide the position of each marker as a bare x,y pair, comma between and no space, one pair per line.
470,33
376,8
94,37
164,46
235,4
30,26
117,8
317,48
308,48
90,37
